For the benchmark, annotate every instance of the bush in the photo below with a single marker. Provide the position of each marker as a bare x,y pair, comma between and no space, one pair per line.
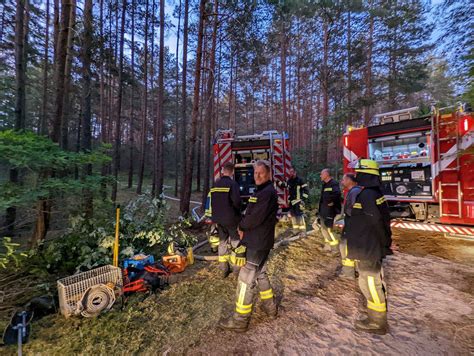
88,243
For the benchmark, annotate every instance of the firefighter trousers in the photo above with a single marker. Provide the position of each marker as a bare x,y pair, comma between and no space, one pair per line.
253,278
331,239
347,264
372,285
231,253
297,219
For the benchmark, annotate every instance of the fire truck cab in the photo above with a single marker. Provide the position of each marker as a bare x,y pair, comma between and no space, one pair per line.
426,162
245,150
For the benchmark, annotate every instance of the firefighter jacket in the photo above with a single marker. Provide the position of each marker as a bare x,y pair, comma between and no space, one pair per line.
298,190
368,230
225,202
349,202
258,223
330,201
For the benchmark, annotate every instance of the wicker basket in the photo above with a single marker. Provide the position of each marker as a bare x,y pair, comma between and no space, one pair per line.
71,289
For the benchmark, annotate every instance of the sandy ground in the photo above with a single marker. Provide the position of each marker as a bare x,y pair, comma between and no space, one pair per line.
430,283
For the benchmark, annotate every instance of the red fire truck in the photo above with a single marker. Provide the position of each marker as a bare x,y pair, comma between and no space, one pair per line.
243,151
426,166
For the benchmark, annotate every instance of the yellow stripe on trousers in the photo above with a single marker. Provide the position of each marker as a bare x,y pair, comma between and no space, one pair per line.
376,305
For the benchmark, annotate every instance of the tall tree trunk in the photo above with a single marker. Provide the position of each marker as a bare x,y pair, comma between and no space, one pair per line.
86,144
209,105
131,140
43,129
325,94
284,109
20,83
177,139
185,201
368,69
141,166
349,66
61,53
159,163
184,125
67,78
118,131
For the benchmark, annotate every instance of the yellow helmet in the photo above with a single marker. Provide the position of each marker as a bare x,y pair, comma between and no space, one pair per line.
365,166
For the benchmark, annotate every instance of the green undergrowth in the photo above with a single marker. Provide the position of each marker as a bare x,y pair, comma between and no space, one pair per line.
174,320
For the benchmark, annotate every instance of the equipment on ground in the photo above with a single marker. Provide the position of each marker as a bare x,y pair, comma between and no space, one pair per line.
426,164
76,295
245,150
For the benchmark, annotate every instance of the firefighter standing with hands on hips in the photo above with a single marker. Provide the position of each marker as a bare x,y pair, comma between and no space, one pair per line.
257,233
329,208
369,239
224,208
298,194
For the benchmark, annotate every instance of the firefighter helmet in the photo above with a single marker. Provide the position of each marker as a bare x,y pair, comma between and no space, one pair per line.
365,166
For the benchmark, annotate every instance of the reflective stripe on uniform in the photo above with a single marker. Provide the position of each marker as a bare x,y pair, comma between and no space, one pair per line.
305,195
328,189
252,199
220,190
223,258
380,200
266,294
357,206
243,309
240,307
295,201
304,185
348,262
376,304
381,307
334,241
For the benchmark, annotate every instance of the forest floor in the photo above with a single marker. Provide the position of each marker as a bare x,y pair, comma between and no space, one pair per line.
431,309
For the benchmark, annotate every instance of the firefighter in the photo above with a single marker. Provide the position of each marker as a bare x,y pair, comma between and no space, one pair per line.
329,208
298,194
257,231
350,184
225,204
368,237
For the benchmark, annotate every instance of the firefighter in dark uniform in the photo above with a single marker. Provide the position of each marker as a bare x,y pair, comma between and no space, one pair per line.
369,238
298,194
224,208
257,231
329,208
350,184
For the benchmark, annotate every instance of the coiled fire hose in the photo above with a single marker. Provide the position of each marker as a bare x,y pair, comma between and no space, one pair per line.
95,300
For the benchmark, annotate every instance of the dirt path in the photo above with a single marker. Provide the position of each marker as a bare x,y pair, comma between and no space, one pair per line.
430,310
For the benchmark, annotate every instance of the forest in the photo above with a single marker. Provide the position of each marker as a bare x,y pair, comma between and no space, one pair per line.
115,104
129,94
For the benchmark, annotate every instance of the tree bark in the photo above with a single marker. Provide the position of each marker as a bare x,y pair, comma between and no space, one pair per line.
43,129
86,139
141,166
118,121
177,139
20,89
131,140
185,201
159,163
61,52
184,99
368,69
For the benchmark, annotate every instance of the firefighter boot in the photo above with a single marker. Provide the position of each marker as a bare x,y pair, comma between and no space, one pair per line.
270,308
237,323
375,323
